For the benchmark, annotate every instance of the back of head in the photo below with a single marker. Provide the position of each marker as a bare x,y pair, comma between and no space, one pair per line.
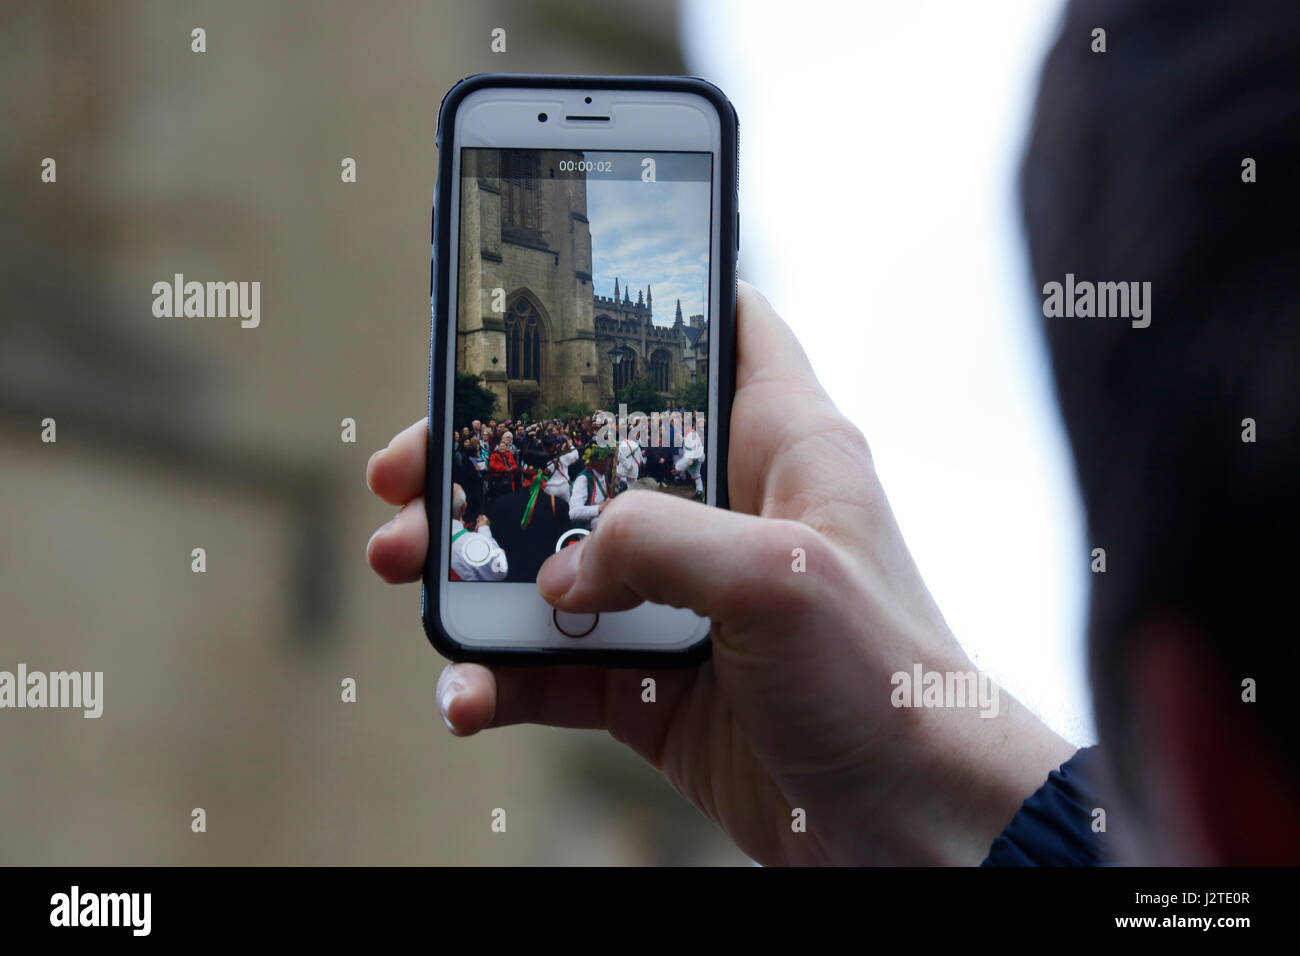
1139,169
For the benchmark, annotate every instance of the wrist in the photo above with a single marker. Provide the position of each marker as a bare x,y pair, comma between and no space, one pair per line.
973,772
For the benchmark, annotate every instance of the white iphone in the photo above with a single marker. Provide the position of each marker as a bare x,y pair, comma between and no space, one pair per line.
582,347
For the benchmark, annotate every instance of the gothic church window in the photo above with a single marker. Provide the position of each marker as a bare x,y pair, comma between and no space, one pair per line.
523,341
520,169
625,371
659,370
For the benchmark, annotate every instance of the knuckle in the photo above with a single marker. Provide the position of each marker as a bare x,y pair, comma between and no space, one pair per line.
810,571
837,430
769,579
617,528
850,434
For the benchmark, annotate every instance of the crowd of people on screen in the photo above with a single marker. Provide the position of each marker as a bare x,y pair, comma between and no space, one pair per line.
546,477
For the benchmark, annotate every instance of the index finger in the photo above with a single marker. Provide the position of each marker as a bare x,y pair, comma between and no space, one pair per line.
396,473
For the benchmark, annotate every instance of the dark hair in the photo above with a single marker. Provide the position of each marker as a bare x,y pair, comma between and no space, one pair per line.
1134,172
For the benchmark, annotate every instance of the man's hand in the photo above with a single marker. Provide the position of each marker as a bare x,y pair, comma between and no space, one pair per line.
794,711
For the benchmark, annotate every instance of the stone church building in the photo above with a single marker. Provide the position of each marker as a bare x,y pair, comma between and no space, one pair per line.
546,337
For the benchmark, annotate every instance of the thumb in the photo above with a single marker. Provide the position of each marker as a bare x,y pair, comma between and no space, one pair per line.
723,565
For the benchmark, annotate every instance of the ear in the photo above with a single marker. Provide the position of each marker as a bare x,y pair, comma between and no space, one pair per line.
1220,790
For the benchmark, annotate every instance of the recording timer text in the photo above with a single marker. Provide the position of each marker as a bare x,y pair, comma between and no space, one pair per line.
585,166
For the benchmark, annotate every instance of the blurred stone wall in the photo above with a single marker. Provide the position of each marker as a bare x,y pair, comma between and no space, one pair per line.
222,689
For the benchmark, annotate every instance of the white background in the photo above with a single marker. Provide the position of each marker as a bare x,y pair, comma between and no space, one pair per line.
879,147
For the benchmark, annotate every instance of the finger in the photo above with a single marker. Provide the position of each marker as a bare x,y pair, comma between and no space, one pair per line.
396,473
788,420
713,561
472,698
766,348
466,696
397,550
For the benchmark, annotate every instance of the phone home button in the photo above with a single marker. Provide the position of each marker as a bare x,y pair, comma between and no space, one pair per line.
574,625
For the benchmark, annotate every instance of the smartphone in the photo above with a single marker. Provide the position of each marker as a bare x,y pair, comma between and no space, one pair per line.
582,347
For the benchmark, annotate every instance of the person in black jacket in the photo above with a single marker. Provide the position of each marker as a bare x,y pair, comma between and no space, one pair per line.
466,475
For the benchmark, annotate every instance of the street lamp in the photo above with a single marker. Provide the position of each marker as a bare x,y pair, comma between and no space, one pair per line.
618,353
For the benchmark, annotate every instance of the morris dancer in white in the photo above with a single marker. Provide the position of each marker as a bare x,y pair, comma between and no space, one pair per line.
475,555
691,463
630,460
557,472
591,491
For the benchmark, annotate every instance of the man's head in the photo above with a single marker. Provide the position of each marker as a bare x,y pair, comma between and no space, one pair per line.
1137,171
457,502
599,457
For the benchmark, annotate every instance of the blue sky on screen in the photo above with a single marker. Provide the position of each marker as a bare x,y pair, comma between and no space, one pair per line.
654,234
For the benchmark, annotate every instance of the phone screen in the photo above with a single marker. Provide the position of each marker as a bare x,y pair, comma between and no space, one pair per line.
582,346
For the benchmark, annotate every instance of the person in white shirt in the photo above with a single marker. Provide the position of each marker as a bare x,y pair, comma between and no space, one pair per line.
558,470
630,460
475,555
691,463
591,490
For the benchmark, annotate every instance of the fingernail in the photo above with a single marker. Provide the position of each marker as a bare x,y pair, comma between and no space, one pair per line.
368,464
445,698
381,529
559,573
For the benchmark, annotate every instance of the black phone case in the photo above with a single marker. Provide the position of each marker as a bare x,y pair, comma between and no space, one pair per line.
440,284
